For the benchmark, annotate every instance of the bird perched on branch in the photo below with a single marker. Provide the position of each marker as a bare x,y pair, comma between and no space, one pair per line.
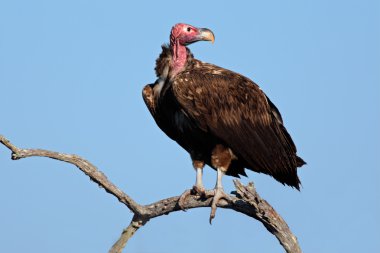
219,117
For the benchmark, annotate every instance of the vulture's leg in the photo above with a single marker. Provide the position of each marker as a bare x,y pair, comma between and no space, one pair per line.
198,188
221,159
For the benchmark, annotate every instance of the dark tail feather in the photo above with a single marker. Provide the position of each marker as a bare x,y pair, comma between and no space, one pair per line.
292,180
296,183
300,162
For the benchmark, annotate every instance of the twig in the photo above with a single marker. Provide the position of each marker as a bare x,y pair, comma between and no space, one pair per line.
246,201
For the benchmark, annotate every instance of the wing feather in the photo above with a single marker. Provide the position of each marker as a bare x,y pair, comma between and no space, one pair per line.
236,110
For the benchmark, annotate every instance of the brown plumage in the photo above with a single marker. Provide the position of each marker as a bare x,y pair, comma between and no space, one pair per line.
220,117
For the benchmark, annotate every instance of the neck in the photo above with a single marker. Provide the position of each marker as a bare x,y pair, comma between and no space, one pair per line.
179,56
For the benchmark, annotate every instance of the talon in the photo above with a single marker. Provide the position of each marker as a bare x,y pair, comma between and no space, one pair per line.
196,190
212,216
199,190
218,194
182,199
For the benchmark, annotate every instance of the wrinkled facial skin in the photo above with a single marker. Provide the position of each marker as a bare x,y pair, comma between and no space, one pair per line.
184,34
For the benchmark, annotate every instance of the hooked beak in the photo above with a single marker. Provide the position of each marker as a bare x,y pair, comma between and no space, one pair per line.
206,35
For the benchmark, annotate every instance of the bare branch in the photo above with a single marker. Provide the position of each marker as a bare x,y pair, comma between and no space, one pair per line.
84,165
246,201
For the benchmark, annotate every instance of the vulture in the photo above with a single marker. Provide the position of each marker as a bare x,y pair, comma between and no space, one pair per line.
221,118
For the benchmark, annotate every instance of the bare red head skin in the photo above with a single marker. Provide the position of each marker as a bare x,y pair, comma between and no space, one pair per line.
182,35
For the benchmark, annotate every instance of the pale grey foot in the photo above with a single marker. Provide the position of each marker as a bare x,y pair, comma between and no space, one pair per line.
217,193
198,189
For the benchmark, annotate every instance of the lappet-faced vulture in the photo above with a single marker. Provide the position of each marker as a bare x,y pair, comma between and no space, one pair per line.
221,118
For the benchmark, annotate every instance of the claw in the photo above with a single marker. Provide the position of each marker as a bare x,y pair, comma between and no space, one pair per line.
196,190
218,194
199,190
182,199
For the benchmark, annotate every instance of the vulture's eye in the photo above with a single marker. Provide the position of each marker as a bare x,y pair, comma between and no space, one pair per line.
188,29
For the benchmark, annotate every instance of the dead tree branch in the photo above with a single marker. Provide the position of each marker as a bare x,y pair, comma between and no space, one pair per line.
246,201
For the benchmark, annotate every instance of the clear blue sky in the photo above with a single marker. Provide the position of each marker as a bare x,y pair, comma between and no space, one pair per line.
71,74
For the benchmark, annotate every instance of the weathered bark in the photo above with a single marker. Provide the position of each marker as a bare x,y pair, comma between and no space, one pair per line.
246,201
127,233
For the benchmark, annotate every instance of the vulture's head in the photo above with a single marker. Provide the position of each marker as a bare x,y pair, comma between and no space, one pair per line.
185,34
